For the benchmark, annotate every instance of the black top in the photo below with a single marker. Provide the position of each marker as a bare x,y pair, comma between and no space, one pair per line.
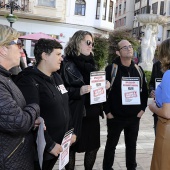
45,91
114,101
156,73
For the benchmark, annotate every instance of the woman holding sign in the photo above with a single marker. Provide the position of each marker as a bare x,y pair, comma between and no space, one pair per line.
41,84
77,66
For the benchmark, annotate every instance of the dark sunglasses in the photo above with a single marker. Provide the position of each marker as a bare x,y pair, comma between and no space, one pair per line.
16,42
88,42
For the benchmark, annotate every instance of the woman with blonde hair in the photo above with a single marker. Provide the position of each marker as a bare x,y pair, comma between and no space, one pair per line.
77,65
161,106
16,118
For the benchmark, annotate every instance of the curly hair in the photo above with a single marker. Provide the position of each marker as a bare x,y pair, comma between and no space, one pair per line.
47,46
73,45
164,54
7,34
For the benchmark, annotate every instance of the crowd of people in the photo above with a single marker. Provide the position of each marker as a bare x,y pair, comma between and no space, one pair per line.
58,89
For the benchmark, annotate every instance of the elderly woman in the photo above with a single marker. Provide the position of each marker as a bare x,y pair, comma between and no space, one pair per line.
160,158
43,85
16,118
77,65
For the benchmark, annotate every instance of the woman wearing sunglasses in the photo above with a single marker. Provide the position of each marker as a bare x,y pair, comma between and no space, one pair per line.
16,118
77,65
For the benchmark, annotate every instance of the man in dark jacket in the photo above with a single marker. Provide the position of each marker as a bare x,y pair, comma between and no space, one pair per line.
122,116
156,73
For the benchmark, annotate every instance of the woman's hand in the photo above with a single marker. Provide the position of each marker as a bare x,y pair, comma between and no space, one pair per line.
56,150
73,139
152,106
107,84
38,122
85,89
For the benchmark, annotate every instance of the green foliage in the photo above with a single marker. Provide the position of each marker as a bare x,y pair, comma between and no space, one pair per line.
148,77
117,36
100,51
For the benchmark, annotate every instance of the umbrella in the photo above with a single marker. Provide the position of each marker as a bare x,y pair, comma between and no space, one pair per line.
37,36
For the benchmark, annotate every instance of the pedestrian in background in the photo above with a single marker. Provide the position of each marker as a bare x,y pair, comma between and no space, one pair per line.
122,117
156,73
16,118
41,84
161,107
77,66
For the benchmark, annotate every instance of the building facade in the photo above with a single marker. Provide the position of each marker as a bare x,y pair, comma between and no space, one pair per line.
60,18
124,14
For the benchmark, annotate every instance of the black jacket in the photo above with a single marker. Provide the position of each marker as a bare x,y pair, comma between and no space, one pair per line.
16,121
79,105
156,73
44,90
114,101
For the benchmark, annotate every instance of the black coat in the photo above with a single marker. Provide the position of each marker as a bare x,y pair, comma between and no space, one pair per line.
44,90
75,72
16,121
73,81
156,73
114,101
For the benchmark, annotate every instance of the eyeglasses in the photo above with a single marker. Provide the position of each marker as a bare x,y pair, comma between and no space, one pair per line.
16,42
126,47
88,42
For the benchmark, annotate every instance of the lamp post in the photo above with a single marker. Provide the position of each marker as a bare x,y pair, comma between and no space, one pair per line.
12,6
11,18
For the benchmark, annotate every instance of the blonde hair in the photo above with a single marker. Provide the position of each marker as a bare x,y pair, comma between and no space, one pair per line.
7,34
72,46
164,54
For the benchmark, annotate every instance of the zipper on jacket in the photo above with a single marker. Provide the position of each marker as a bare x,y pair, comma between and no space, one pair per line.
23,139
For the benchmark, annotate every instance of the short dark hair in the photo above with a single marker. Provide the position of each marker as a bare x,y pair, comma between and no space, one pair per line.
47,46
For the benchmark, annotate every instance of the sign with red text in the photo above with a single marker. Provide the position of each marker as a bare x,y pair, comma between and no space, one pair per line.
130,91
98,87
64,155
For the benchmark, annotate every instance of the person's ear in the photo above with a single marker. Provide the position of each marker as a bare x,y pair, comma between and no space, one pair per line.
3,51
118,53
44,56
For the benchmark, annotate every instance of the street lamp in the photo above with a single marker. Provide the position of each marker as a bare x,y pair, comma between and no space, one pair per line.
12,6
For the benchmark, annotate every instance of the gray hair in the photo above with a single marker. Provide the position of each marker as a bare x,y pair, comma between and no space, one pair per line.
7,34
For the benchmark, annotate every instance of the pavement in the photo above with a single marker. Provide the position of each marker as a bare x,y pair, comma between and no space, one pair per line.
144,147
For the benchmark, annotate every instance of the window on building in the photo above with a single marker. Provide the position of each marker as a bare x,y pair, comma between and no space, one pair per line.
116,10
143,10
136,1
124,6
80,7
136,12
120,6
98,9
162,8
124,20
155,8
168,33
49,3
104,9
111,11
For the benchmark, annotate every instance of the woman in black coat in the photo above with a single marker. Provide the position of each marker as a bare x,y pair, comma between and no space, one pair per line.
43,85
76,68
17,119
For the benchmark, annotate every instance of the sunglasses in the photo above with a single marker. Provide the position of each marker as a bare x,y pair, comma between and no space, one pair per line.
88,42
16,42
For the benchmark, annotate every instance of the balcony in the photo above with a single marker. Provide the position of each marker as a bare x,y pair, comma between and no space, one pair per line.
31,9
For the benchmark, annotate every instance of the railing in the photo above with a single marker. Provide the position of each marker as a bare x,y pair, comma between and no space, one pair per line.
22,5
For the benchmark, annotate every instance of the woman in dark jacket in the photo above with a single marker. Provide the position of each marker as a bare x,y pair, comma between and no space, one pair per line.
77,65
43,85
16,118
